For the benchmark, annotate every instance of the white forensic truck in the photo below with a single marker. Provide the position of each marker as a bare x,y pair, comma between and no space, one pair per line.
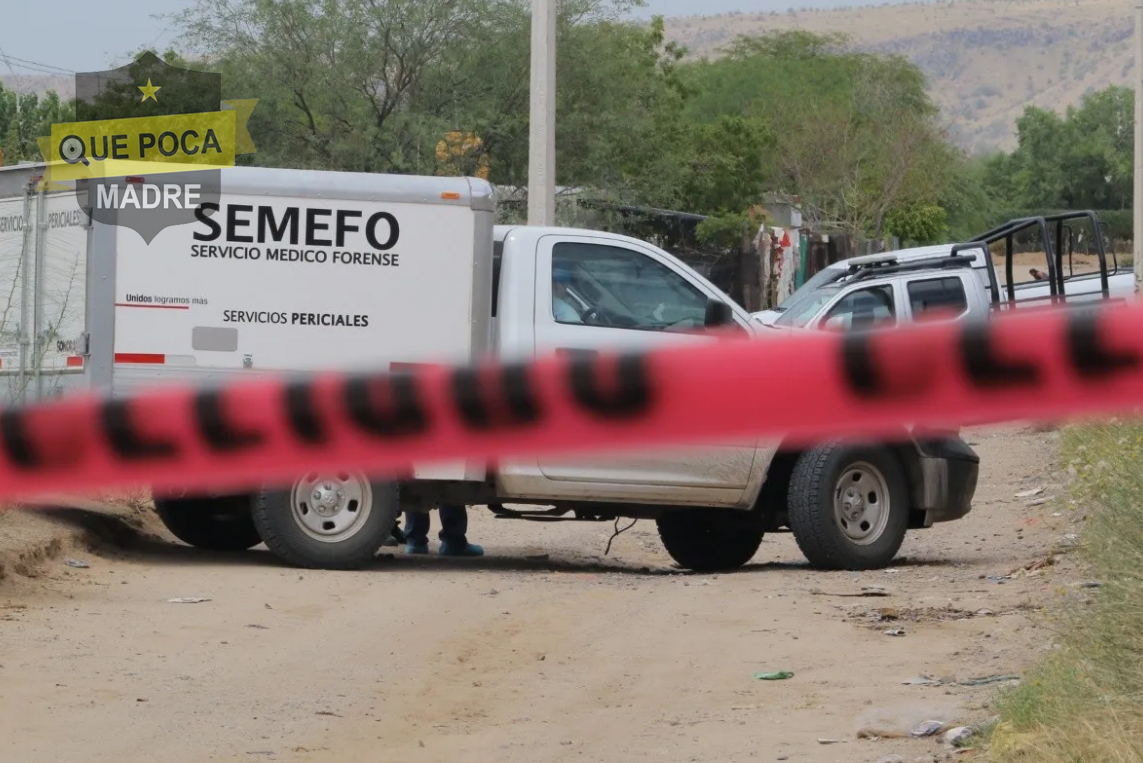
293,271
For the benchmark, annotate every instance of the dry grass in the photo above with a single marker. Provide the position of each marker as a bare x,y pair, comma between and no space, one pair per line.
984,59
1084,703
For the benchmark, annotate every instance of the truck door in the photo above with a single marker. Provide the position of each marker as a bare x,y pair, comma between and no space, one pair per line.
599,293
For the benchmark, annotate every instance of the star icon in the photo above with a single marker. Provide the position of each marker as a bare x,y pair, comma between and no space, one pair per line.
149,91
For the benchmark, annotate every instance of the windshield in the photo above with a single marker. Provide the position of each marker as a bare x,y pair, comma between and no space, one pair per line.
805,291
804,310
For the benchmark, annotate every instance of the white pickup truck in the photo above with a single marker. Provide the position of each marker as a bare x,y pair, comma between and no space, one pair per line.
900,286
294,271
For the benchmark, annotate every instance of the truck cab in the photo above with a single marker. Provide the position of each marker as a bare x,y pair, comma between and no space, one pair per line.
617,293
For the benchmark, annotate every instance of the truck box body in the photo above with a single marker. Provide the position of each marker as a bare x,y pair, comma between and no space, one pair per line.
298,272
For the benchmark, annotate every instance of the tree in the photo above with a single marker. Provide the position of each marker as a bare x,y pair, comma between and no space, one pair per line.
853,134
917,223
374,85
970,200
1100,169
1083,159
24,117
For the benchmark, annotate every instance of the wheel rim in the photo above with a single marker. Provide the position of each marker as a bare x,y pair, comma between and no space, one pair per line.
331,507
861,503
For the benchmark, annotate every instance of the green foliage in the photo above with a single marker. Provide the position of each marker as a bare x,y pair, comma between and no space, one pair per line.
717,168
25,117
723,231
851,133
917,223
368,86
970,207
375,86
1082,160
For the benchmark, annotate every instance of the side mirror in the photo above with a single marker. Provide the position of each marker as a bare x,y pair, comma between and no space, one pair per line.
717,314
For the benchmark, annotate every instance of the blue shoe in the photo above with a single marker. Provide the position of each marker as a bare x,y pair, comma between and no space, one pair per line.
471,549
416,548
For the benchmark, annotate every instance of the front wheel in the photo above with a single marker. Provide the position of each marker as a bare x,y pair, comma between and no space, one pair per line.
848,507
711,540
333,521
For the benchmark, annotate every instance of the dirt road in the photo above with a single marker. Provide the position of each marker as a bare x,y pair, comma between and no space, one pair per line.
518,656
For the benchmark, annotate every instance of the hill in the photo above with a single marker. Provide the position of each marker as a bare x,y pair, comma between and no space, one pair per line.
40,83
984,59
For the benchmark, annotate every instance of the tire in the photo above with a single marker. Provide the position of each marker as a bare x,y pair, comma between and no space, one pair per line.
214,524
330,521
711,540
848,507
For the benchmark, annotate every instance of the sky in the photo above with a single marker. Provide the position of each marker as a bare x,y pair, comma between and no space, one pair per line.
94,35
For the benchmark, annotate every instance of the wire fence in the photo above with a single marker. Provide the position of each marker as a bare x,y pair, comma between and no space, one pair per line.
43,242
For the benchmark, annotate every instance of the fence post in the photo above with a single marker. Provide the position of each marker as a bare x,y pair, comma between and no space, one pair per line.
38,349
25,254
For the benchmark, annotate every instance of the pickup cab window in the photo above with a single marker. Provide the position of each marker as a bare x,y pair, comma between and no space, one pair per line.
873,307
941,295
601,285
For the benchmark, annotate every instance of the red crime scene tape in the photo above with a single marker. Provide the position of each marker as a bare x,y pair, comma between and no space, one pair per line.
817,386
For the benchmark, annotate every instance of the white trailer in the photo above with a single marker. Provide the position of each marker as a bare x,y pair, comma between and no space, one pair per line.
294,271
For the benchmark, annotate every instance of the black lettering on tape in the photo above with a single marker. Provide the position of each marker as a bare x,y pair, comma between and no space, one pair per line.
17,444
219,434
1087,353
630,396
400,413
478,407
303,415
115,415
857,361
984,369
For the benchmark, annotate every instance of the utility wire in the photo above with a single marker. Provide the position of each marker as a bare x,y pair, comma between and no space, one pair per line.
26,64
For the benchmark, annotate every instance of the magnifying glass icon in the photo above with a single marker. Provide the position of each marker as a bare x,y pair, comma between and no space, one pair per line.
72,150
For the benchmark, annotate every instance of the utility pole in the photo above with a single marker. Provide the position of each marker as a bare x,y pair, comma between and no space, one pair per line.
542,122
1137,234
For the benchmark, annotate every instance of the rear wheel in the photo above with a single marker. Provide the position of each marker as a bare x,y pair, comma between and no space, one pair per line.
215,524
849,507
334,520
711,540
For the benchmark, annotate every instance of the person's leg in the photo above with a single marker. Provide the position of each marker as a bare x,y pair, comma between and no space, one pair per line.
454,526
417,525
